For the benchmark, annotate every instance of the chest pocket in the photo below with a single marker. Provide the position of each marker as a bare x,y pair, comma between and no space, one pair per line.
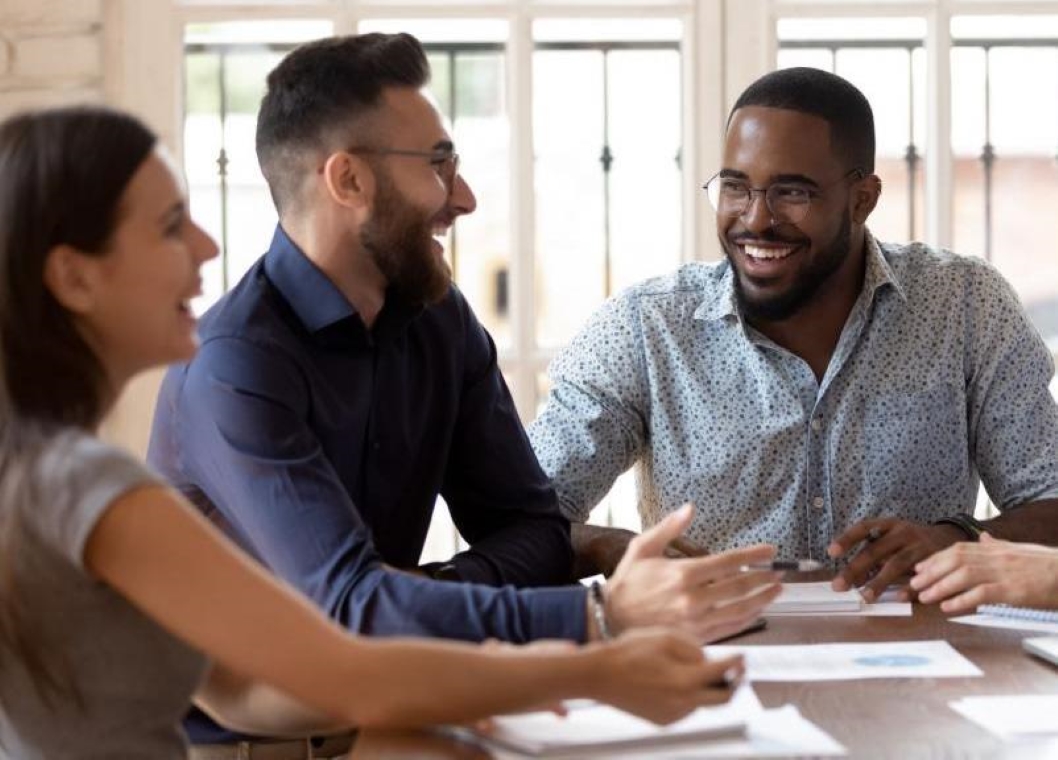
916,451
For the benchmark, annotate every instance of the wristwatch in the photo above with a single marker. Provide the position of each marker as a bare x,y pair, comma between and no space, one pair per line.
968,524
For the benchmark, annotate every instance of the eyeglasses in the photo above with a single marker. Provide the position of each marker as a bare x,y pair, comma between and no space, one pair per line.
445,161
788,202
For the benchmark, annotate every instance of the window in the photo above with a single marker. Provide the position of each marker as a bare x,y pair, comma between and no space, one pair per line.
1003,90
225,66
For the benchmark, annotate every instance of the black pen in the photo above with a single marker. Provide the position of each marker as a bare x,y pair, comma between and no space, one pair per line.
798,565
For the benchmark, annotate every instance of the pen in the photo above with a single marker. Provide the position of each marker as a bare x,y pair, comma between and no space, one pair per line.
800,565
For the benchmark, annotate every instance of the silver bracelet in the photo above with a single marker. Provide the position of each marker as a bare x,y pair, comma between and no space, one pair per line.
598,611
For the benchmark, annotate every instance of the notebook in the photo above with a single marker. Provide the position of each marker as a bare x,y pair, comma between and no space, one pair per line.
1042,646
596,730
1019,613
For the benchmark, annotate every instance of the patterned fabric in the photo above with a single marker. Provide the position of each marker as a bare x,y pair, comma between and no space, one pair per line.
938,382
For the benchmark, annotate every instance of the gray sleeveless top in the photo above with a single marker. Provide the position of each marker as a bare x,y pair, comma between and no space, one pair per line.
134,679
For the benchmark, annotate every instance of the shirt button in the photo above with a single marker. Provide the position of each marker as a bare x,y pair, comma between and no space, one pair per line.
376,445
817,425
817,502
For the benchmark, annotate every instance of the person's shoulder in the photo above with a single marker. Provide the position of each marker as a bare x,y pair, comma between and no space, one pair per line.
925,269
72,456
250,309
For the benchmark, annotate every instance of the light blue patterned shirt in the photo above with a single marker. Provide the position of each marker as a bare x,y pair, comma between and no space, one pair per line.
938,383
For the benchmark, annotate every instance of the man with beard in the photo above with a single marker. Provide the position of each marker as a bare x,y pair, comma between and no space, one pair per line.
818,390
344,383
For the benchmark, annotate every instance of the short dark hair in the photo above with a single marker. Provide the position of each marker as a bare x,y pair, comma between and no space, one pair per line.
822,94
319,91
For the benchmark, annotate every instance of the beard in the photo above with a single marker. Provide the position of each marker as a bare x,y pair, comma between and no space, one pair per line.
805,285
399,238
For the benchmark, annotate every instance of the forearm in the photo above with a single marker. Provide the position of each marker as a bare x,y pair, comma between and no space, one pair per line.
475,682
597,549
253,707
532,550
1036,522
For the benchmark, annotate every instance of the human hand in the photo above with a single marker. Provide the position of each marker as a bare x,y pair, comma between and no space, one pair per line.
889,549
662,675
967,575
708,597
599,549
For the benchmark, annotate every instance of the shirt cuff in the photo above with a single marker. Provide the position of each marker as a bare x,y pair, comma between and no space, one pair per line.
557,613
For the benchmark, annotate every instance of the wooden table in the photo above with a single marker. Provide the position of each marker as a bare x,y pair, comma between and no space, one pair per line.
883,718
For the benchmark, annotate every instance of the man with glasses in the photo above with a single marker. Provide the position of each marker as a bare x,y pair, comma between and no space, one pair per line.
839,397
344,383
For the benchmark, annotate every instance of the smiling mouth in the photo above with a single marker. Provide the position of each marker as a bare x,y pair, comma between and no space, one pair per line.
768,253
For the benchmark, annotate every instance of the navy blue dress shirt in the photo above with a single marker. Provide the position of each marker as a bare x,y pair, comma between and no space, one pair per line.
320,447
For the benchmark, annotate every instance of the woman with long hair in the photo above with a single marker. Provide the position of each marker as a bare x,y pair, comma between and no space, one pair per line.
119,602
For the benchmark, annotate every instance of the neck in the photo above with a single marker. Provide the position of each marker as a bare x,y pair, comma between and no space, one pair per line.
813,331
345,262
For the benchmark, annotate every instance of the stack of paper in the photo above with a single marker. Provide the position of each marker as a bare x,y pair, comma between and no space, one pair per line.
803,598
1012,717
820,598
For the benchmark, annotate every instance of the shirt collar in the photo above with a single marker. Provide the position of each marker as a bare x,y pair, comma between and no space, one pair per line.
318,303
308,291
877,273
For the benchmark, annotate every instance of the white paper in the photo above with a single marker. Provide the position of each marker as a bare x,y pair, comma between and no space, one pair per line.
782,732
589,723
1012,717
994,621
802,599
845,662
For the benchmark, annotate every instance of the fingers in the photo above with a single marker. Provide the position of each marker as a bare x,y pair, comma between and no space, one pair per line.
705,569
897,567
652,543
858,533
683,547
862,567
972,598
740,613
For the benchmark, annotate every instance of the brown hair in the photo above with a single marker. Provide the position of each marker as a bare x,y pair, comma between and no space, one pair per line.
319,92
63,173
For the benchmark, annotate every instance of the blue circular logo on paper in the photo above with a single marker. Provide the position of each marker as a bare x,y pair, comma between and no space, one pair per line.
893,661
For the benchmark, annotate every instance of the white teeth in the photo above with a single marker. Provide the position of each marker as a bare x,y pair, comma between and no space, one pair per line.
767,253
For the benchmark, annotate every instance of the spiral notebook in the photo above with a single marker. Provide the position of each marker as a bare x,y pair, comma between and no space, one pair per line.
1019,613
1005,616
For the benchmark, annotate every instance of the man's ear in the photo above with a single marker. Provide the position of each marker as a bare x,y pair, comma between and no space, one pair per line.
71,276
349,180
865,198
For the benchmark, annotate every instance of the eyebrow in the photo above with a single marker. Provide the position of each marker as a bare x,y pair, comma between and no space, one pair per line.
444,145
800,179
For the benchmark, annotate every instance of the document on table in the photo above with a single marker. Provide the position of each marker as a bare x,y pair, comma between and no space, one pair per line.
593,729
819,598
781,732
847,662
1012,717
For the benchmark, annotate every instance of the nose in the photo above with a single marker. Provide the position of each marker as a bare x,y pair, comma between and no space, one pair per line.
462,200
203,246
757,215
